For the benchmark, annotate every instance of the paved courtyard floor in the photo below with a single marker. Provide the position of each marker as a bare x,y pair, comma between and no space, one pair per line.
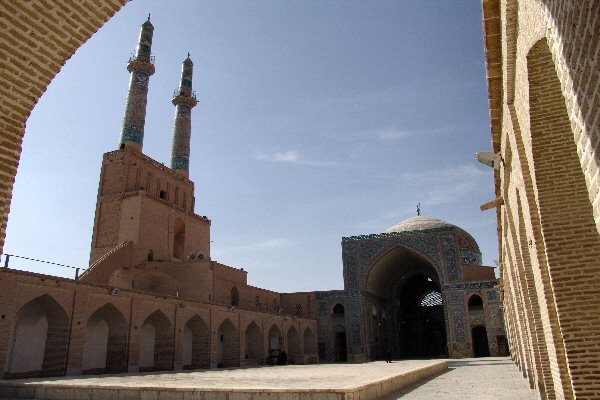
481,378
367,381
490,378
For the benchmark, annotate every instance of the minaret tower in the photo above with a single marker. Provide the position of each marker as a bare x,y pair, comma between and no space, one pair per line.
184,100
141,68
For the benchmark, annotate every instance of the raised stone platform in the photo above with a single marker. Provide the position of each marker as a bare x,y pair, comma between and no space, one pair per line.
293,382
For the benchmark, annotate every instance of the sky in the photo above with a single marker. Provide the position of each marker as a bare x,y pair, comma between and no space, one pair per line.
316,120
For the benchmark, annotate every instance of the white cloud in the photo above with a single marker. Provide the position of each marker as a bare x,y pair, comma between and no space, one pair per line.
450,174
394,134
291,157
268,244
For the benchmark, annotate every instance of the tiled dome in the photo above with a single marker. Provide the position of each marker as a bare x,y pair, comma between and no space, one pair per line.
421,223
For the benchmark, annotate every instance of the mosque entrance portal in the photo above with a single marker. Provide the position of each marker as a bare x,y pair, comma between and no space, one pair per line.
406,307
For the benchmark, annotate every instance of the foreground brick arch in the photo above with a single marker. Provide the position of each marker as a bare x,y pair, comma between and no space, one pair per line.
544,89
36,39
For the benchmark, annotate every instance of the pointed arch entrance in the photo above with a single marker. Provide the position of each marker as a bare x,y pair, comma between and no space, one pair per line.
405,307
105,348
293,342
39,342
196,343
156,343
229,345
310,342
255,352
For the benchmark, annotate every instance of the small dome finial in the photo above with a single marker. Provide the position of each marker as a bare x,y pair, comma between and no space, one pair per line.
418,209
188,54
148,16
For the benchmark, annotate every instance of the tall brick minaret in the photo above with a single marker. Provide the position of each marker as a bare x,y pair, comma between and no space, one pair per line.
184,100
145,210
141,68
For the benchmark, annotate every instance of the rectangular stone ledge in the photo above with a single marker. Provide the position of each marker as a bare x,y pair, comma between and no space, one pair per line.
370,391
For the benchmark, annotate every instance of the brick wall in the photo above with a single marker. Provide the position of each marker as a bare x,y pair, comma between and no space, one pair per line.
73,307
36,39
542,64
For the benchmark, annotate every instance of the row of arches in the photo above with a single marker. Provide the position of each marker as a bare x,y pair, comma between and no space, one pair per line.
40,342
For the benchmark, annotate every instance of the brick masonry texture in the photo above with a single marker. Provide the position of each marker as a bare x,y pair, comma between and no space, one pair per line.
542,64
36,39
543,86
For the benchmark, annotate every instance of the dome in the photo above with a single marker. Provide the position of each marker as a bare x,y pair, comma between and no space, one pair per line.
422,223
419,223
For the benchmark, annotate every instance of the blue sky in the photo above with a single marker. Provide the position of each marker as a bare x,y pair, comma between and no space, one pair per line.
316,120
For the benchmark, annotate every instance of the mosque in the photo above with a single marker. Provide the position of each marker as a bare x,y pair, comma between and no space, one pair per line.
153,299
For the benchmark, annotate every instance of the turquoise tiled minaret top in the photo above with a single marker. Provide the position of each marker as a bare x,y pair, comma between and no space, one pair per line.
184,100
141,67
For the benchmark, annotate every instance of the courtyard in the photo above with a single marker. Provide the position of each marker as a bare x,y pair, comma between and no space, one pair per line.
482,378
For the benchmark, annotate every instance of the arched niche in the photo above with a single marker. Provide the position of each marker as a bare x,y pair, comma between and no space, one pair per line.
310,342
475,303
196,344
156,343
255,352
405,306
275,338
235,297
293,344
229,345
179,239
105,346
39,339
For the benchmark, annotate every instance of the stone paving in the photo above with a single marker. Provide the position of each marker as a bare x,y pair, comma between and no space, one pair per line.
480,379
490,378
300,382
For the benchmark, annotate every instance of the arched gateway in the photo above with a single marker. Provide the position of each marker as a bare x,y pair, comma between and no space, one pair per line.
406,290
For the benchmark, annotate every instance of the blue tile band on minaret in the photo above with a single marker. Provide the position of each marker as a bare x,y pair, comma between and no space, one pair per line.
141,67
184,100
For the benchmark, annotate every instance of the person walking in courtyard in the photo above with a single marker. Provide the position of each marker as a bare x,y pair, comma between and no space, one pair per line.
388,355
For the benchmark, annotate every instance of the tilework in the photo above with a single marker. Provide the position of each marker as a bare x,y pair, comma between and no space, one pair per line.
451,258
182,128
470,257
354,308
135,109
469,286
137,95
425,244
325,302
446,248
184,101
349,258
459,320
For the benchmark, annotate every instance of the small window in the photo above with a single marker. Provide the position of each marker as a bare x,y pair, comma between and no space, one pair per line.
338,310
298,310
431,299
163,194
235,297
475,303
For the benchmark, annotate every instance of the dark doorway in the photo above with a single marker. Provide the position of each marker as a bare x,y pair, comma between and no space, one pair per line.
480,342
421,323
502,346
341,352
